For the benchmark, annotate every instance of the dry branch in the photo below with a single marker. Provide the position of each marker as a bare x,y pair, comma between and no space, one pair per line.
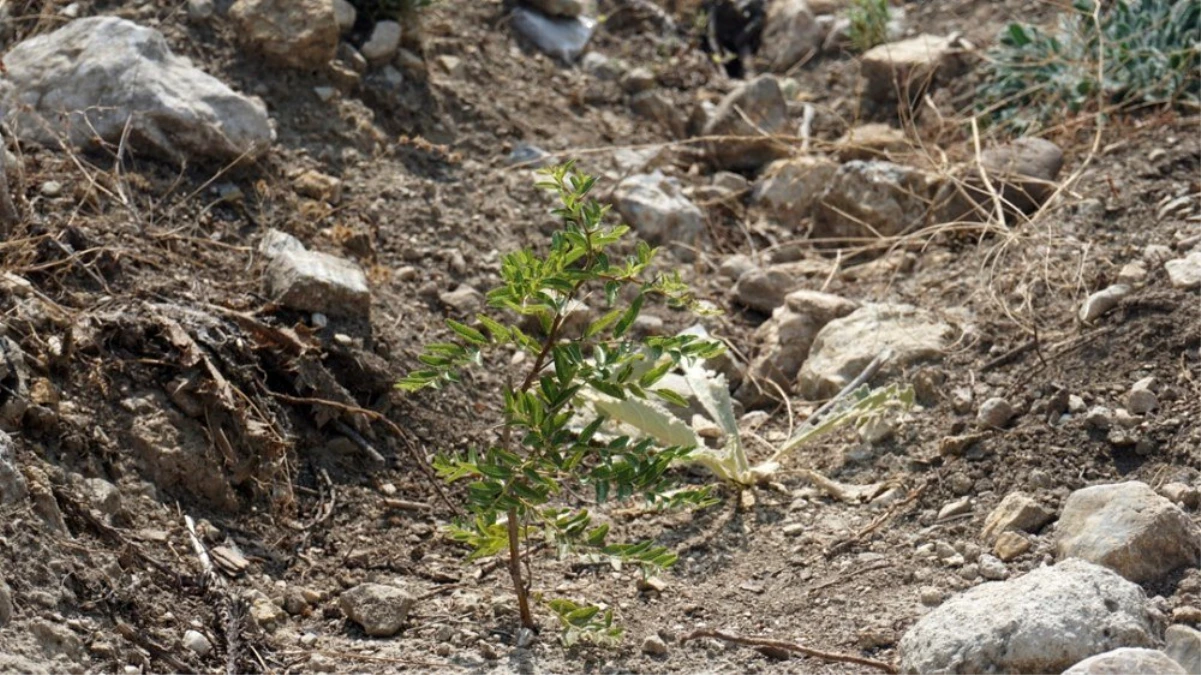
781,645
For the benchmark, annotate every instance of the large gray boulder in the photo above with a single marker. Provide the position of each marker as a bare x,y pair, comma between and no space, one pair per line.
790,33
1128,528
84,82
318,282
789,188
845,346
873,199
1043,622
904,70
740,123
784,342
563,38
657,209
1021,173
301,34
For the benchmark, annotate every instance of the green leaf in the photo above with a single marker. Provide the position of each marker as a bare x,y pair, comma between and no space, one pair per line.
582,615
627,319
608,388
655,374
671,397
467,332
498,331
602,323
597,536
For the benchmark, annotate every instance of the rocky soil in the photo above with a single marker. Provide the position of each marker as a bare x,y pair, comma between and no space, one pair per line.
240,221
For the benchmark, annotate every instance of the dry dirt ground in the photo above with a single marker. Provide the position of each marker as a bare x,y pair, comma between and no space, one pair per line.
148,343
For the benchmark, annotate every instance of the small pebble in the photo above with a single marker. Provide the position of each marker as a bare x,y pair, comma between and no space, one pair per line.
955,508
1157,254
200,10
638,80
944,550
308,640
1125,419
525,637
970,550
52,189
345,15
969,572
931,596
1010,545
1102,301
1075,404
992,568
488,651
197,642
1132,274
1099,418
1186,614
1182,494
874,638
960,483
654,645
735,266
961,400
444,649
652,584
1141,399
995,413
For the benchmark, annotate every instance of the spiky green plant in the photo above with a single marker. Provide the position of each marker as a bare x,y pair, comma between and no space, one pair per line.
1145,52
869,23
524,488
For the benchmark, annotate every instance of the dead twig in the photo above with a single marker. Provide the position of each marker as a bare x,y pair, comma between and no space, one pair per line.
405,505
781,645
876,524
842,578
1010,356
357,438
216,588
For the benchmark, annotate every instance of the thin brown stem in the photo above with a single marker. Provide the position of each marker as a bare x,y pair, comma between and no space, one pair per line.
523,601
781,645
514,528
